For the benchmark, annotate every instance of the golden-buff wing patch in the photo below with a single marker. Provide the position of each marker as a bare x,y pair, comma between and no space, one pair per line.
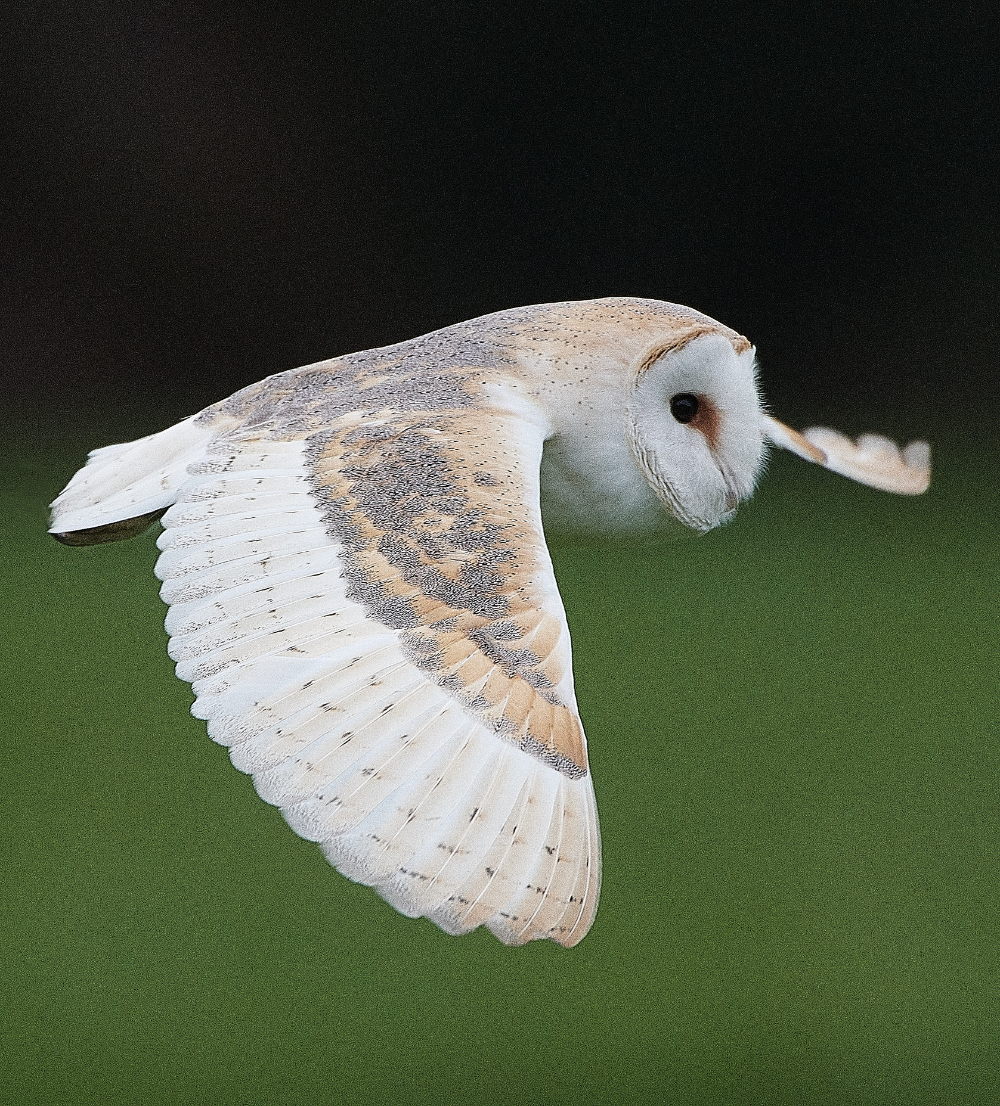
438,542
370,622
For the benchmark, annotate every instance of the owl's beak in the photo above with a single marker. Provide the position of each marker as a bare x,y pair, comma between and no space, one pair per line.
871,460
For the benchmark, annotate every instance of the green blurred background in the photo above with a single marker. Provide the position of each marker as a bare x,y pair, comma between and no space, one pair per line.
792,720
792,724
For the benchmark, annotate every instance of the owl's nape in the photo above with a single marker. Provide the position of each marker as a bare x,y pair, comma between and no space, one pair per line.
872,459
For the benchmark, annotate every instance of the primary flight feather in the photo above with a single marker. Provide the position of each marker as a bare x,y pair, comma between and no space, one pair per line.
363,601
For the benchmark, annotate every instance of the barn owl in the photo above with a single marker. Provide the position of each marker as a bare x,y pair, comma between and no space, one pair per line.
361,594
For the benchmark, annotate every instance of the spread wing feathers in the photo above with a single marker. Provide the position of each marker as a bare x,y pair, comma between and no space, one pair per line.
388,657
875,460
128,484
872,459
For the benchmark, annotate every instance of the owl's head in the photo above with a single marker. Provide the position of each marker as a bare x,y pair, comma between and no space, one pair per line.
696,426
699,433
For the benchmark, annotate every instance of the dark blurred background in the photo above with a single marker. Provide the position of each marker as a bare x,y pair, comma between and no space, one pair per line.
200,195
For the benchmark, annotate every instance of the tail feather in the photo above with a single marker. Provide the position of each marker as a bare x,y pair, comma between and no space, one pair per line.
123,488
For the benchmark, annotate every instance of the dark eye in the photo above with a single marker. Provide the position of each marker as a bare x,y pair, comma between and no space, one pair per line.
684,406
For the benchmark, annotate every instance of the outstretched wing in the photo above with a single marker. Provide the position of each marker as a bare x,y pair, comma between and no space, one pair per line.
370,622
872,459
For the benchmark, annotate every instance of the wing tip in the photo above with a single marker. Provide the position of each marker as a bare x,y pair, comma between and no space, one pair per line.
871,460
875,460
121,530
